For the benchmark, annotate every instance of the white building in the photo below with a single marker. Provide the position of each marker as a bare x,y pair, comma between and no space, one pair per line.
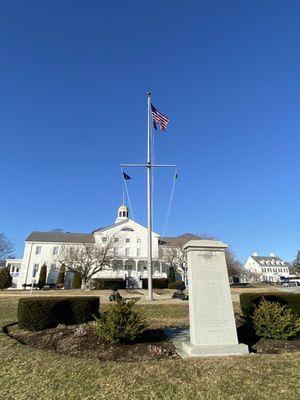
14,265
267,268
131,251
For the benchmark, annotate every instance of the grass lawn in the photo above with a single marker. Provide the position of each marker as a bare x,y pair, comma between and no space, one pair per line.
27,373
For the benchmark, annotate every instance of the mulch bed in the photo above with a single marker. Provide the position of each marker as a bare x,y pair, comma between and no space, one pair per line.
81,341
271,346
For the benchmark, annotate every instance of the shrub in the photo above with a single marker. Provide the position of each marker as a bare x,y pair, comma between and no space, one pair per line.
38,313
171,275
5,278
250,300
102,283
121,323
43,276
173,285
61,276
76,281
275,321
157,283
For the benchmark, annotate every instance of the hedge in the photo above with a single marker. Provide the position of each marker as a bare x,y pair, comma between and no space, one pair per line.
173,285
102,283
38,313
249,301
157,283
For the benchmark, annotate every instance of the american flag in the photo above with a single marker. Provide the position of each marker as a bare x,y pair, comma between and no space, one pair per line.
159,119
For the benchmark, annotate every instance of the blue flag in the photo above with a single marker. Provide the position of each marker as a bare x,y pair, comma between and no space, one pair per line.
126,177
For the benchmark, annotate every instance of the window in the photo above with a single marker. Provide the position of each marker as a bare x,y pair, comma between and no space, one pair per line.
138,252
17,269
104,239
38,250
52,267
120,213
263,269
127,240
139,240
116,240
35,270
55,251
127,251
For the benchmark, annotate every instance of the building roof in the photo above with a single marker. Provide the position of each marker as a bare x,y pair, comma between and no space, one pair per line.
104,228
177,241
263,259
64,237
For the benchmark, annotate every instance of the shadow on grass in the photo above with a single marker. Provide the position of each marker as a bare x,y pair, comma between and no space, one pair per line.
246,334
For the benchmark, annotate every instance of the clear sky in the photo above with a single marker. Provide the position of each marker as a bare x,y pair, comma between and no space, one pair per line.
73,82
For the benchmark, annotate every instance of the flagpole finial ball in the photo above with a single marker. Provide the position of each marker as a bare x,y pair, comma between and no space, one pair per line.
149,93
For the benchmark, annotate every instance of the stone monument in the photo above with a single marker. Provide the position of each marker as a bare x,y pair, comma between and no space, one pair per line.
212,324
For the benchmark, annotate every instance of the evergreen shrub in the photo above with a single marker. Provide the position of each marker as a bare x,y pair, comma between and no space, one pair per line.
76,281
102,283
42,276
61,276
121,323
38,313
275,321
158,283
5,278
171,275
173,285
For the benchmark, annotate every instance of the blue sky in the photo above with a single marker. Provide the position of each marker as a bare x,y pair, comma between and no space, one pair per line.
73,82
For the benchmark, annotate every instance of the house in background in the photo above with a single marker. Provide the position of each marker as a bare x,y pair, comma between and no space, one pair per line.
267,268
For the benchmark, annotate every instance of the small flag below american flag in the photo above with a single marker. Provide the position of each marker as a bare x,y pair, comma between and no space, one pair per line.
126,177
159,119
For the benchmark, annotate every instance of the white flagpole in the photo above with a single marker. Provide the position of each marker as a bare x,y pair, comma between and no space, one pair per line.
149,202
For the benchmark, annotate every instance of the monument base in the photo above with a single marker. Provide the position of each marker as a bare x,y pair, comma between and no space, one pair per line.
187,349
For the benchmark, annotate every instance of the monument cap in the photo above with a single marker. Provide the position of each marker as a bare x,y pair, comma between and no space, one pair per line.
203,244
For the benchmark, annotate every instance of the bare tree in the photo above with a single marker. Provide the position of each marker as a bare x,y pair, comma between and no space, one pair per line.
175,258
87,259
6,248
234,267
174,255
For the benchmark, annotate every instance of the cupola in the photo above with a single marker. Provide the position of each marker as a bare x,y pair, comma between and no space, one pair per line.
123,213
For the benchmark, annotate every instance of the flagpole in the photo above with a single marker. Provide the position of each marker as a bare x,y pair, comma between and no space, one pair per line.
149,202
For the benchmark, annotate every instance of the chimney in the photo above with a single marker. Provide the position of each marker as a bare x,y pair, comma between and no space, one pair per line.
254,254
272,255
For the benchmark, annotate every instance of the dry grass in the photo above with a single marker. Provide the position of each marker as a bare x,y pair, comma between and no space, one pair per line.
29,373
